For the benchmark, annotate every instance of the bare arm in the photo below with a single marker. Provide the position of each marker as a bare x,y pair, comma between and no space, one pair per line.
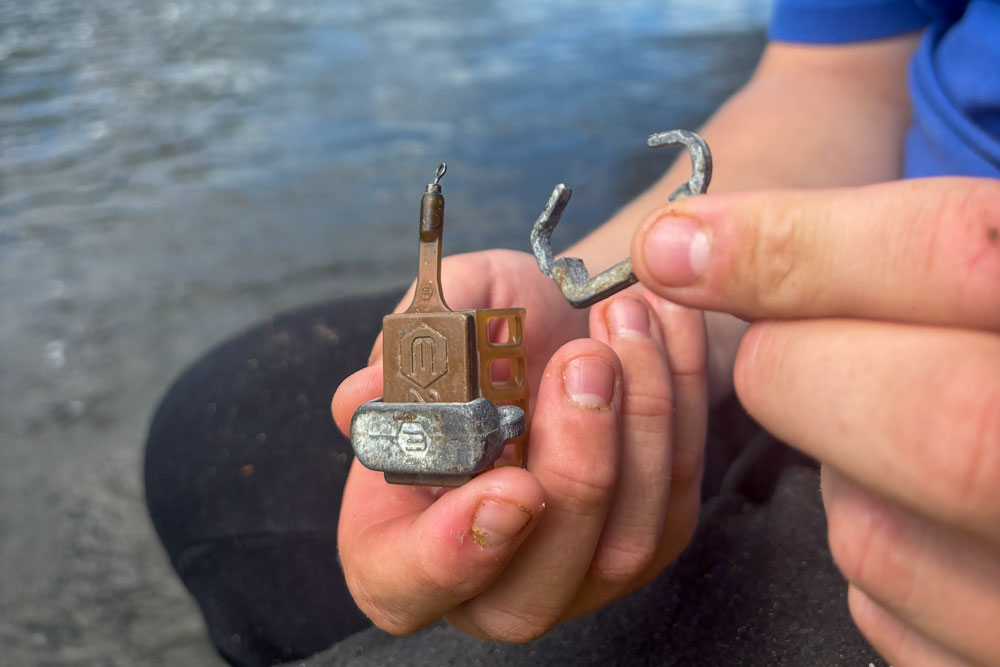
810,117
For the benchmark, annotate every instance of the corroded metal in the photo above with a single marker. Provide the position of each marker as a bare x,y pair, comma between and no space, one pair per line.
509,384
569,273
441,440
437,426
428,351
429,357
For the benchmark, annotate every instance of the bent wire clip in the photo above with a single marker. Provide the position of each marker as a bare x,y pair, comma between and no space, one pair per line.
569,273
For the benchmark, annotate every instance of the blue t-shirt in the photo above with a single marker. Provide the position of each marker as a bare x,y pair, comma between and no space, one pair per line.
954,77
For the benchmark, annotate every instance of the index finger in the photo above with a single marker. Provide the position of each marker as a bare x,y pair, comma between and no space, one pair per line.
924,251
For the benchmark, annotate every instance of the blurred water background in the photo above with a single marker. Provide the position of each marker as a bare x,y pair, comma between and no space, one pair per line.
173,171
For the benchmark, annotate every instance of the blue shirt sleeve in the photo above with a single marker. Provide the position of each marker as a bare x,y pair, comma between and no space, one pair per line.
842,21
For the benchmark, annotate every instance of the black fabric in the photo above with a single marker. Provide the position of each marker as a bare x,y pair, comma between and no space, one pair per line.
244,471
756,588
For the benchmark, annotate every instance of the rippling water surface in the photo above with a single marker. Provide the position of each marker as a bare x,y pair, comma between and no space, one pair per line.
172,171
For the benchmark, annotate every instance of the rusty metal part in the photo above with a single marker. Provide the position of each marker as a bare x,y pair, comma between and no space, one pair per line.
440,441
428,297
511,387
433,355
429,357
428,350
570,273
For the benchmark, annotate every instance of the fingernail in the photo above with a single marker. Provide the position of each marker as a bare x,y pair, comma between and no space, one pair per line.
589,382
496,524
676,251
629,318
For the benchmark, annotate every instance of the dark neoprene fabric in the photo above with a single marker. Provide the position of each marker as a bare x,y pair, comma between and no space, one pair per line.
244,471
755,589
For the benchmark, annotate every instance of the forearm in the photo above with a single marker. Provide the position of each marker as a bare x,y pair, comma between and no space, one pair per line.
811,117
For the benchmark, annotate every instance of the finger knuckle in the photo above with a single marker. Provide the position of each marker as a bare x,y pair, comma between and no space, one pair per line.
849,545
965,436
877,625
975,482
391,622
622,560
771,262
976,201
581,487
648,402
963,224
759,351
865,537
380,611
394,608
980,201
434,576
581,492
496,624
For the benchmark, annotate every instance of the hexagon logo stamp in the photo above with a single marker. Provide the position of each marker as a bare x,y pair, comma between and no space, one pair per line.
412,439
423,355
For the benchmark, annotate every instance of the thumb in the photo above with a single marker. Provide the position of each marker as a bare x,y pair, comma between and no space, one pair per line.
924,251
407,570
358,388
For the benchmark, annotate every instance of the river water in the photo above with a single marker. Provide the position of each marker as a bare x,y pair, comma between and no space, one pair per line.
173,171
